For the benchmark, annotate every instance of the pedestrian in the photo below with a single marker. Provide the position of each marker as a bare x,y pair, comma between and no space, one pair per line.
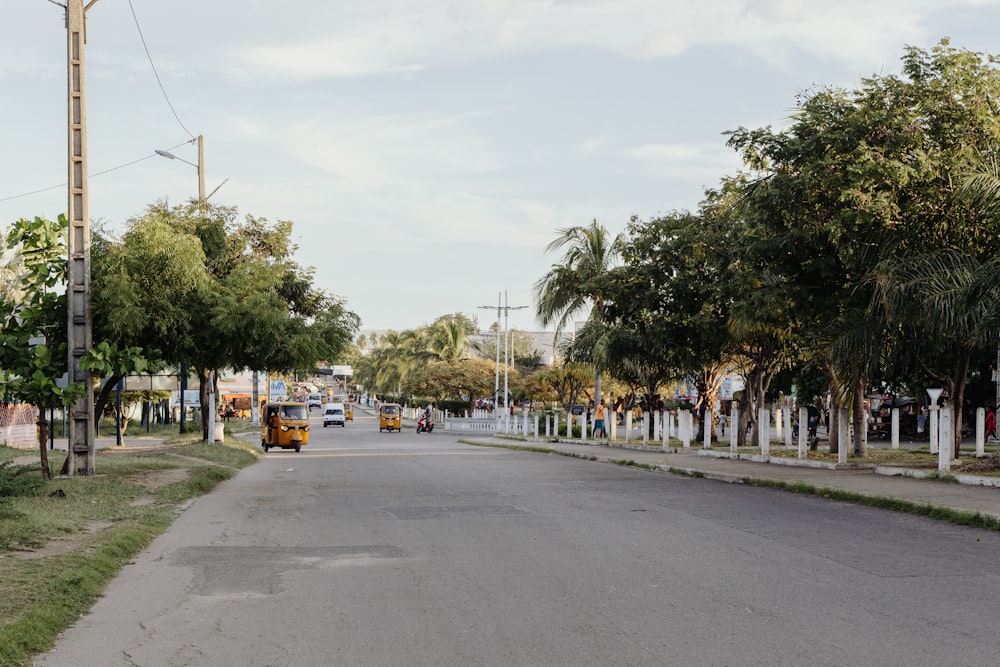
599,420
921,420
722,422
991,424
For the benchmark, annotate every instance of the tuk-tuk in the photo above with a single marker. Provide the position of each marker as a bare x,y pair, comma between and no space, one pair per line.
389,417
348,412
285,425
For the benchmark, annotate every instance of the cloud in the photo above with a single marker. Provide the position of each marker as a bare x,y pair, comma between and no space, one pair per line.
408,36
688,162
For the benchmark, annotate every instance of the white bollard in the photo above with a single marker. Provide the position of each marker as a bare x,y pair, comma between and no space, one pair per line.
707,440
763,428
779,431
980,432
684,425
555,432
787,421
657,422
894,443
945,439
535,433
628,426
665,428
569,425
734,425
645,428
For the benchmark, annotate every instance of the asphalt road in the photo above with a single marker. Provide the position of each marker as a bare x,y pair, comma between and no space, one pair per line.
371,548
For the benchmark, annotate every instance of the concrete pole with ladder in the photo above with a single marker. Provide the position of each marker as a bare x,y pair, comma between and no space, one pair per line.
81,422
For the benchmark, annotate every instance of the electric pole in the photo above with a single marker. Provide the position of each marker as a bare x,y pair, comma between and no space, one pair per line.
80,454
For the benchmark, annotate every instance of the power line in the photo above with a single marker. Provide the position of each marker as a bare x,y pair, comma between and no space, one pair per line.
155,73
99,173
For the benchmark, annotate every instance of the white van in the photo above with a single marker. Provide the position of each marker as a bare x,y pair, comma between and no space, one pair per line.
314,401
333,413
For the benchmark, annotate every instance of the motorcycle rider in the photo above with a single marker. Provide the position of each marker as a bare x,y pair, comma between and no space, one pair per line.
425,423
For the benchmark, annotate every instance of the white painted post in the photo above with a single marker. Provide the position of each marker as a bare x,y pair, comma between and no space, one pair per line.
734,424
980,432
665,428
763,427
779,425
628,426
555,419
786,413
803,433
612,421
536,425
684,420
895,428
569,425
842,442
657,422
707,440
548,426
945,439
645,428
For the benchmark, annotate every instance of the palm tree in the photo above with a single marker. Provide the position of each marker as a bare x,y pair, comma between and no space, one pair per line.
574,284
943,303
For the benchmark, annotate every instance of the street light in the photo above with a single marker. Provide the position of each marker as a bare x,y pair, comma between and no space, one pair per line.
200,167
496,378
201,207
505,308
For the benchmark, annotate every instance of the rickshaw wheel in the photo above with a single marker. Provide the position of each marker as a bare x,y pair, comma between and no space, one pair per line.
263,444
298,448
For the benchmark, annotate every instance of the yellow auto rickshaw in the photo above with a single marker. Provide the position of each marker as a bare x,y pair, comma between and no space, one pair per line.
348,412
285,425
390,417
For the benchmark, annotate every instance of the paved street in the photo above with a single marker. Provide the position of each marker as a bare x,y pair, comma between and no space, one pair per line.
373,548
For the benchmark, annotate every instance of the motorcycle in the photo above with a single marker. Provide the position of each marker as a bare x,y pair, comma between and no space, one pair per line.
424,425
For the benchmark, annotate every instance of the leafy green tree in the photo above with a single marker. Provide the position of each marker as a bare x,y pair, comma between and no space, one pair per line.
865,176
210,291
33,353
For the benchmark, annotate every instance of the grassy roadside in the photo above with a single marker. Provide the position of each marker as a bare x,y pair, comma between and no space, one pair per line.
59,550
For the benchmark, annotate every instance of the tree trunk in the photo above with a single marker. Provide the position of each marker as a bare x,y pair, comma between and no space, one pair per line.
206,409
958,400
833,426
43,436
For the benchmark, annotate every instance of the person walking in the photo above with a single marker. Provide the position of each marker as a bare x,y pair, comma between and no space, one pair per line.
991,424
599,420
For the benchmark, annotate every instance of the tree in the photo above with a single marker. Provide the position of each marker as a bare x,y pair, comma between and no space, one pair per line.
209,291
866,176
33,353
574,284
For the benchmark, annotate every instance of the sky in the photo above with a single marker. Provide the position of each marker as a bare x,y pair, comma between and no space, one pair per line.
427,151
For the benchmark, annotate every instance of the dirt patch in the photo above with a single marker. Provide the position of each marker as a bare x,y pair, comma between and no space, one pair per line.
61,545
155,479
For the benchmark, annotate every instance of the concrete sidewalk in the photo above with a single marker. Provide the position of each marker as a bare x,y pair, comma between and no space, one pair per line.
870,483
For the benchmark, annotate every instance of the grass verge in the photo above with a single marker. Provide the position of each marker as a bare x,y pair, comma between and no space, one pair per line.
57,553
973,519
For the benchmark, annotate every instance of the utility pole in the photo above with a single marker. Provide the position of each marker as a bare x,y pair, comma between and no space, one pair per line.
506,329
496,380
80,459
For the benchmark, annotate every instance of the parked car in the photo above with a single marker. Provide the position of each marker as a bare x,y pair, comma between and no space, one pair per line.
333,414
